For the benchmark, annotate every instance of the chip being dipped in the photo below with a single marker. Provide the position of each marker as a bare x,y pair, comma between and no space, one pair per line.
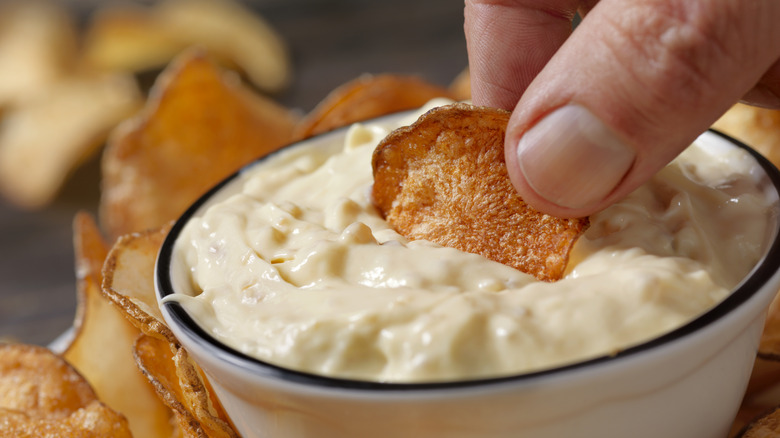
444,179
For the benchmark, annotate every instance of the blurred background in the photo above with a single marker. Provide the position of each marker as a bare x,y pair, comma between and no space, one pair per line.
329,42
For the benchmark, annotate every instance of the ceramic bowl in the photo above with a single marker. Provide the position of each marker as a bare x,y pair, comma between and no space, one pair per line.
687,383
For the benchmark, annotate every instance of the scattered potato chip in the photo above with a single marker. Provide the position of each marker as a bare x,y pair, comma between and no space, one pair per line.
444,179
128,281
51,385
42,396
77,115
123,38
199,397
128,38
769,347
180,385
95,420
199,126
761,396
155,359
233,33
765,426
368,97
102,347
37,47
756,127
461,86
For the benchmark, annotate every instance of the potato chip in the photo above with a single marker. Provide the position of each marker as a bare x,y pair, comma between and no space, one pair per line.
757,127
769,346
42,396
180,384
90,250
461,85
125,38
155,359
128,281
128,38
78,114
365,98
37,48
444,179
761,395
102,349
199,126
95,420
765,426
232,33
49,385
199,397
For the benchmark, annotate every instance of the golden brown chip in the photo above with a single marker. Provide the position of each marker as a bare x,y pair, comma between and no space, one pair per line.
461,86
757,127
42,396
199,397
37,382
128,281
181,386
199,126
155,359
365,98
102,349
761,395
77,114
129,284
95,420
765,426
769,346
234,34
125,38
128,38
37,48
444,179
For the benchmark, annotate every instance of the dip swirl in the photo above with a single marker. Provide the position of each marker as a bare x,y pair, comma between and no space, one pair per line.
295,267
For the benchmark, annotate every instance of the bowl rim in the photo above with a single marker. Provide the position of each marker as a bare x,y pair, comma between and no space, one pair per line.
176,314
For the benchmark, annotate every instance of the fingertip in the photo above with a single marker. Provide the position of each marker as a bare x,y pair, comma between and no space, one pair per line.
569,163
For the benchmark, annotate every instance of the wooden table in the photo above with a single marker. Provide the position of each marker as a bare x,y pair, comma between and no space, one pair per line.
331,43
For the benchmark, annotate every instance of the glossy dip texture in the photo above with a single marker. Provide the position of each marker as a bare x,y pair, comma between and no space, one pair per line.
292,265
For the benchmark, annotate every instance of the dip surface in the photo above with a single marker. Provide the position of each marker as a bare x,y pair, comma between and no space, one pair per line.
295,267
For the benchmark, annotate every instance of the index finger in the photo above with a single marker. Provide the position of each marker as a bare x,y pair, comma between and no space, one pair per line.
509,42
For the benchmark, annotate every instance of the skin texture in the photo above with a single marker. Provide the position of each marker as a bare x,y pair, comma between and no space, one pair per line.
640,80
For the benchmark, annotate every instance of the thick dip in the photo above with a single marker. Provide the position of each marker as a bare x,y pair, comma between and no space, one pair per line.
295,267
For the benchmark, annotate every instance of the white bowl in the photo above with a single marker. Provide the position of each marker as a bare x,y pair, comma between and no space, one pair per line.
687,383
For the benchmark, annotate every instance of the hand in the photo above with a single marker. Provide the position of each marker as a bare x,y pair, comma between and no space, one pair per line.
598,111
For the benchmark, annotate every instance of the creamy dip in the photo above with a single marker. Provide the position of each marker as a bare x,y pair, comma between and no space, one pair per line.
295,267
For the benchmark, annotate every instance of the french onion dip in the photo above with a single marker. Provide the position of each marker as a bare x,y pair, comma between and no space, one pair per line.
292,264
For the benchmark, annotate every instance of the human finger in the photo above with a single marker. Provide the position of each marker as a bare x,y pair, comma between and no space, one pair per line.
636,82
509,42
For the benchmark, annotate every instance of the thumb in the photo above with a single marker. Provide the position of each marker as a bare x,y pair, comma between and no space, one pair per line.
635,83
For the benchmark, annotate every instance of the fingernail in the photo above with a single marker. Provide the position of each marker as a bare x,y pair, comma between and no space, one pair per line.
572,158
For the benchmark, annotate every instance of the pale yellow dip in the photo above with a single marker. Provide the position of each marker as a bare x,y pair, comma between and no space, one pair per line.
299,270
